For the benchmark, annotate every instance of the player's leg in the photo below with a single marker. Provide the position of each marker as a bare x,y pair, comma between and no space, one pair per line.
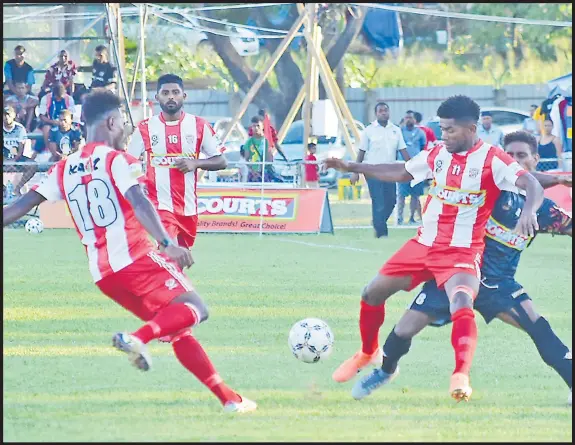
188,227
402,193
430,306
403,271
551,349
377,205
166,291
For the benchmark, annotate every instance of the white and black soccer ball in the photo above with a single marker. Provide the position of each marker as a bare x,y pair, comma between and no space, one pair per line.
35,226
311,340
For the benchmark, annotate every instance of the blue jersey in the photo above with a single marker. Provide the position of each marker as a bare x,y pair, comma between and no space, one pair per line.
503,246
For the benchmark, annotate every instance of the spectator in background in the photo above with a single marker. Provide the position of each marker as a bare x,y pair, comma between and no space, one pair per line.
65,139
258,149
51,105
380,143
311,170
24,104
549,147
415,142
429,133
488,132
530,125
103,73
14,139
17,70
270,133
63,71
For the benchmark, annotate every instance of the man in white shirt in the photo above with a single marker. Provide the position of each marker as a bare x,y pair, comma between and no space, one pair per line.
380,142
488,132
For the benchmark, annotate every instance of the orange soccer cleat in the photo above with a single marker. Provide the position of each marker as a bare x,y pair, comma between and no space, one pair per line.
349,369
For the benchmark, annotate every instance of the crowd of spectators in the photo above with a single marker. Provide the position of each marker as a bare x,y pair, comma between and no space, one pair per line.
47,124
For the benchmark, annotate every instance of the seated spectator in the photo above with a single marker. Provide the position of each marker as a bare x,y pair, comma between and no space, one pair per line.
65,139
17,70
63,71
103,73
24,104
50,108
14,142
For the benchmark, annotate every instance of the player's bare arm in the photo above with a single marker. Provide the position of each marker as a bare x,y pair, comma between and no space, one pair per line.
547,181
150,220
527,224
212,164
383,172
359,160
21,207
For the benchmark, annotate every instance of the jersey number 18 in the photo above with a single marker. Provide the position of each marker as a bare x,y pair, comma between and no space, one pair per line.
93,203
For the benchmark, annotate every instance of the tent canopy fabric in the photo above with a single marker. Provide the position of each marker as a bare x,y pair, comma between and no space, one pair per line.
561,85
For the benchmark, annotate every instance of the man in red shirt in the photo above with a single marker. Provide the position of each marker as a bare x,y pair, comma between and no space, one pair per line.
429,134
468,176
173,143
311,170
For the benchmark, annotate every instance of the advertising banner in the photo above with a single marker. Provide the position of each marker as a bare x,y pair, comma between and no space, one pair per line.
238,210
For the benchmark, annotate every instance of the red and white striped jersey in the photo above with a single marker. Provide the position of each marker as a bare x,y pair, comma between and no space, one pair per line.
163,142
463,192
93,182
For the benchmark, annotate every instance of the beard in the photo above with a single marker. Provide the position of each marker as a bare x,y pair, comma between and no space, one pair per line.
171,107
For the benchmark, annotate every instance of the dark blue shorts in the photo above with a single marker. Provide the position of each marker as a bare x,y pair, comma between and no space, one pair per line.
405,189
494,297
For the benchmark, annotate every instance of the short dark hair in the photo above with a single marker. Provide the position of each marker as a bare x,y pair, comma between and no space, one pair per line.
101,48
486,114
459,108
170,78
311,144
19,82
99,103
521,136
534,105
256,120
409,112
20,49
262,112
380,103
418,116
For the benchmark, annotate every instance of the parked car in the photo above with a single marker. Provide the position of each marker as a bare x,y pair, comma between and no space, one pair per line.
293,148
508,119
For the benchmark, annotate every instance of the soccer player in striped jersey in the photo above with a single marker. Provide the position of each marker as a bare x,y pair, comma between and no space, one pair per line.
113,218
172,143
500,295
468,176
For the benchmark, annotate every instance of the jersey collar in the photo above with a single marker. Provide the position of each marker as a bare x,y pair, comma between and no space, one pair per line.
163,121
473,149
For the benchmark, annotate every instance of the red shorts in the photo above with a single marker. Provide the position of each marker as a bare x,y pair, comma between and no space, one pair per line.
147,285
181,228
423,263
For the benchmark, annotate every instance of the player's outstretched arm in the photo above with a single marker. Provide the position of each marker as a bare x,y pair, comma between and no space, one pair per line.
547,181
383,172
527,224
149,218
212,164
21,207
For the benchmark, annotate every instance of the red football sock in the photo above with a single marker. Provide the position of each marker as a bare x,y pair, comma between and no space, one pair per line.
464,339
191,354
169,320
370,320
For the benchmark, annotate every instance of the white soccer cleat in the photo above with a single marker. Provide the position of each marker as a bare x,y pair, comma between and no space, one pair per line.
137,351
245,406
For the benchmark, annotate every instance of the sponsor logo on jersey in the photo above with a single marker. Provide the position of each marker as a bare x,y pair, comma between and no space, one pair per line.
503,235
171,283
168,160
457,197
280,208
84,168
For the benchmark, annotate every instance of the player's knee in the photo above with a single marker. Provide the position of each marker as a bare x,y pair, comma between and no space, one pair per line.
460,301
372,297
196,303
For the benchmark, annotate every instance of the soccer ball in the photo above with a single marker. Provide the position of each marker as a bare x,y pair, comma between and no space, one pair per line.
311,340
34,225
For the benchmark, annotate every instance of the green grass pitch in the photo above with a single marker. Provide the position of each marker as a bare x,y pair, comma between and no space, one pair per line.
63,381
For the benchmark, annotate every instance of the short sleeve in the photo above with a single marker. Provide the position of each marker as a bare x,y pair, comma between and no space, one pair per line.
43,107
136,145
553,219
22,135
401,142
50,188
418,167
505,171
30,80
126,172
7,71
211,144
364,140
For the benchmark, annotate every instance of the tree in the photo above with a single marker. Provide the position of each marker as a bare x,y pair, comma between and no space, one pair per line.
287,72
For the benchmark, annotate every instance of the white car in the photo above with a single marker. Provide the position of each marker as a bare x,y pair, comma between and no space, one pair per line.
508,119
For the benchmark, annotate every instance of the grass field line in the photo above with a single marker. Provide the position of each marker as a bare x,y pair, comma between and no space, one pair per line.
326,246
